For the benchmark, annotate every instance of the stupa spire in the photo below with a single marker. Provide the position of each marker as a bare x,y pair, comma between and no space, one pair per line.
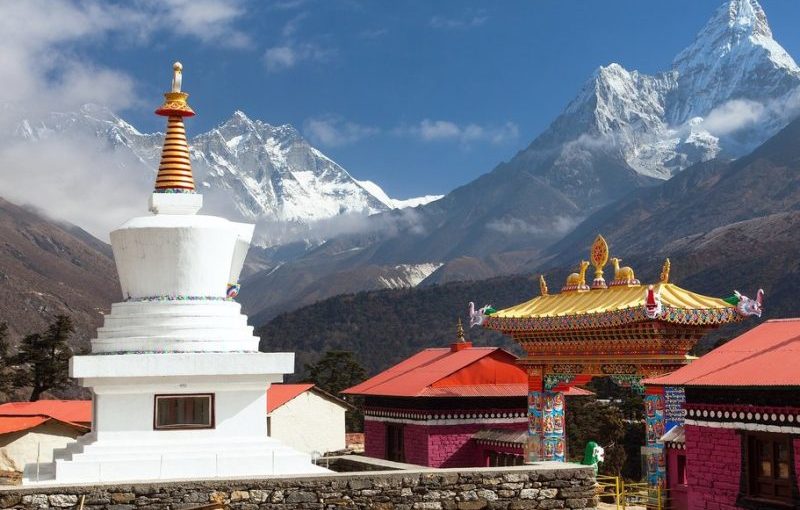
175,169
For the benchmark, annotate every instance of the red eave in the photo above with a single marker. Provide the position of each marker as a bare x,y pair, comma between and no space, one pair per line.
10,424
70,411
767,355
279,394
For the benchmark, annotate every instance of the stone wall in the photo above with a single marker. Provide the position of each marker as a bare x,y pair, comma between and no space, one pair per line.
546,486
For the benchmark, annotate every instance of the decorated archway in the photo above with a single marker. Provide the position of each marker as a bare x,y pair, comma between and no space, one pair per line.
622,329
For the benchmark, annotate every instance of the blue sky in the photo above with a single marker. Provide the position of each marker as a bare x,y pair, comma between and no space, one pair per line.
418,96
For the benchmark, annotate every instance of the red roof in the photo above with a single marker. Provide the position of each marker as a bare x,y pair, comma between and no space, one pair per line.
767,355
16,423
279,394
444,372
70,411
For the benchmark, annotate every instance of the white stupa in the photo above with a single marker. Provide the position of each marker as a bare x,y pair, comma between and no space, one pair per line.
179,387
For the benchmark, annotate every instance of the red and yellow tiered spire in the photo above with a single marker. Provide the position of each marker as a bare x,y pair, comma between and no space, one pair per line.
175,170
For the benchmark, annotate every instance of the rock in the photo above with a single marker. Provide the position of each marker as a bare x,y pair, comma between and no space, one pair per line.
547,493
528,493
62,500
239,495
487,495
427,505
259,496
472,505
9,500
122,497
301,497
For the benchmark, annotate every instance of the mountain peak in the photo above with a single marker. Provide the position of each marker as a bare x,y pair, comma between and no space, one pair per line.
735,26
745,16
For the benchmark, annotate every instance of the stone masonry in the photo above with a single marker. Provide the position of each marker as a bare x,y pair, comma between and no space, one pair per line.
546,486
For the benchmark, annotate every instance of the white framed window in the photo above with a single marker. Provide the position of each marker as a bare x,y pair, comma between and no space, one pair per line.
190,411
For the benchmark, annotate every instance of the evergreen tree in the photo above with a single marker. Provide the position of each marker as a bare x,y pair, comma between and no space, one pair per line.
337,371
43,358
6,379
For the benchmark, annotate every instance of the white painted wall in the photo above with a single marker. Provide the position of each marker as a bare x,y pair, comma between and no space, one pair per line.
309,423
20,448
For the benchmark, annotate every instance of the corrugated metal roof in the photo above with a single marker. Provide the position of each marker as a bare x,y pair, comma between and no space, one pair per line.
767,355
447,372
16,423
502,436
675,435
279,394
71,411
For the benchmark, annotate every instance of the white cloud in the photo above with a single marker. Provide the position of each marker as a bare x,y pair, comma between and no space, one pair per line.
733,116
444,130
333,131
45,68
286,56
560,225
464,22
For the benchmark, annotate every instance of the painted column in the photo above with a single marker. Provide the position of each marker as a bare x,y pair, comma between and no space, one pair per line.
546,424
533,447
654,429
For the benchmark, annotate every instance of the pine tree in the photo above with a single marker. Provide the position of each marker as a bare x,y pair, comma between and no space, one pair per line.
337,371
43,358
6,379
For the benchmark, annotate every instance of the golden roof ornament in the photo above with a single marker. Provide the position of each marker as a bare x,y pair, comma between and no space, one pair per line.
599,258
175,169
577,281
542,286
623,275
665,271
460,332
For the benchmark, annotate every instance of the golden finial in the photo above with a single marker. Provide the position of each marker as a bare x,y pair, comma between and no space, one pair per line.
175,169
599,257
177,76
542,286
665,271
460,332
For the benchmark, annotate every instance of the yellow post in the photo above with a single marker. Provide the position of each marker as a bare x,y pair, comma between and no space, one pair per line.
616,490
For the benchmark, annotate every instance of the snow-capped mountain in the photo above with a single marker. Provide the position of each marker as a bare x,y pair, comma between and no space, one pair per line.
243,167
726,93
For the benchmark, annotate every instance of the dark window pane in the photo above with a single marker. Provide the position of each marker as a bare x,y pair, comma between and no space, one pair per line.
183,411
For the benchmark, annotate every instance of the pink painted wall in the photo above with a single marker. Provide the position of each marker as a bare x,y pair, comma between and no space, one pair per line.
452,445
713,464
374,439
415,444
434,445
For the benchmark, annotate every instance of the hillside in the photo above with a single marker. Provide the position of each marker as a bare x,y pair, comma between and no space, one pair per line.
386,326
49,268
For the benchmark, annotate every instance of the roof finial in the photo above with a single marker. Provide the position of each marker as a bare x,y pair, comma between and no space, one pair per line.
665,272
177,76
542,286
175,169
460,332
599,256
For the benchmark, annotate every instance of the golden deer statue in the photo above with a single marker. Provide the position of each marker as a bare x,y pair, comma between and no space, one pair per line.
578,280
624,273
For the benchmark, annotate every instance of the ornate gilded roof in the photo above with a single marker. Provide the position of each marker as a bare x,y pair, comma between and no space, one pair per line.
612,306
624,300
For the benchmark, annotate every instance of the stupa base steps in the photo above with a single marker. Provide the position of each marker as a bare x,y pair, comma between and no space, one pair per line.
106,461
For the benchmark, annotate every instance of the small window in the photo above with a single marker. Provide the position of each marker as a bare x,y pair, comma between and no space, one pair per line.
184,412
769,458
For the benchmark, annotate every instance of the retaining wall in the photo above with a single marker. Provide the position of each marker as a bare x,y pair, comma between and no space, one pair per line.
544,486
